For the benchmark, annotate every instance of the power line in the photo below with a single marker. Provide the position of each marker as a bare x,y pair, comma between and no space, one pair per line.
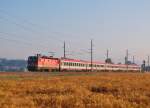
14,16
27,21
16,41
31,23
8,34
27,28
30,29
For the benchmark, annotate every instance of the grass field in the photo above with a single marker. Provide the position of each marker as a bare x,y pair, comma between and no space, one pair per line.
74,90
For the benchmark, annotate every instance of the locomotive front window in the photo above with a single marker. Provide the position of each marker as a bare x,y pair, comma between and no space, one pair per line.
33,58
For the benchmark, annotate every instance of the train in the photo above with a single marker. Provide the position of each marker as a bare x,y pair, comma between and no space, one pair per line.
48,64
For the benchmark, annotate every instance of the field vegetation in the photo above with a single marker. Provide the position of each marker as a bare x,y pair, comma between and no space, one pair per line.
90,90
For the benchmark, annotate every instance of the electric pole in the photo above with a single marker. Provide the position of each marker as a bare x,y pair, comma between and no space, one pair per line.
91,55
64,49
148,62
127,54
133,59
107,54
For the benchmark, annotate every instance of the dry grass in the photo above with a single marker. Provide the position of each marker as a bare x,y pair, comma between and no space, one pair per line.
104,90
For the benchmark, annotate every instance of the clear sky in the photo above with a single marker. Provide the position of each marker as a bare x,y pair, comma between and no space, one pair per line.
28,27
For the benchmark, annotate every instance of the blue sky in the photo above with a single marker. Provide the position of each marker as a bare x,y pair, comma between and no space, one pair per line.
28,27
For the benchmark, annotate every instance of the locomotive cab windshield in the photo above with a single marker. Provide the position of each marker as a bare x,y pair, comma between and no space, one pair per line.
32,63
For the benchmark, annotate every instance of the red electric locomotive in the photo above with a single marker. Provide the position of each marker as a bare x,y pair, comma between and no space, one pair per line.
43,63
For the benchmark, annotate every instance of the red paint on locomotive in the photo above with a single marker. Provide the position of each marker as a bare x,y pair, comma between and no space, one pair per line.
43,63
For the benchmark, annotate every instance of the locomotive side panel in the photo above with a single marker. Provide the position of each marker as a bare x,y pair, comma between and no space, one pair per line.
48,64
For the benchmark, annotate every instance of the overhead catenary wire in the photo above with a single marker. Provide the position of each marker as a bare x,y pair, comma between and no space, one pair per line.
23,20
21,41
16,41
28,29
32,28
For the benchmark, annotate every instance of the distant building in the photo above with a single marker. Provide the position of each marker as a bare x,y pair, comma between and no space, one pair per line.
12,65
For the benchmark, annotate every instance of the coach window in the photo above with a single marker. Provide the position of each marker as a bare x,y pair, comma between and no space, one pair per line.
74,64
65,63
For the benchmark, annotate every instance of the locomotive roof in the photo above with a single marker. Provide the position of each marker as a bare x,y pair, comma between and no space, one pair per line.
45,57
